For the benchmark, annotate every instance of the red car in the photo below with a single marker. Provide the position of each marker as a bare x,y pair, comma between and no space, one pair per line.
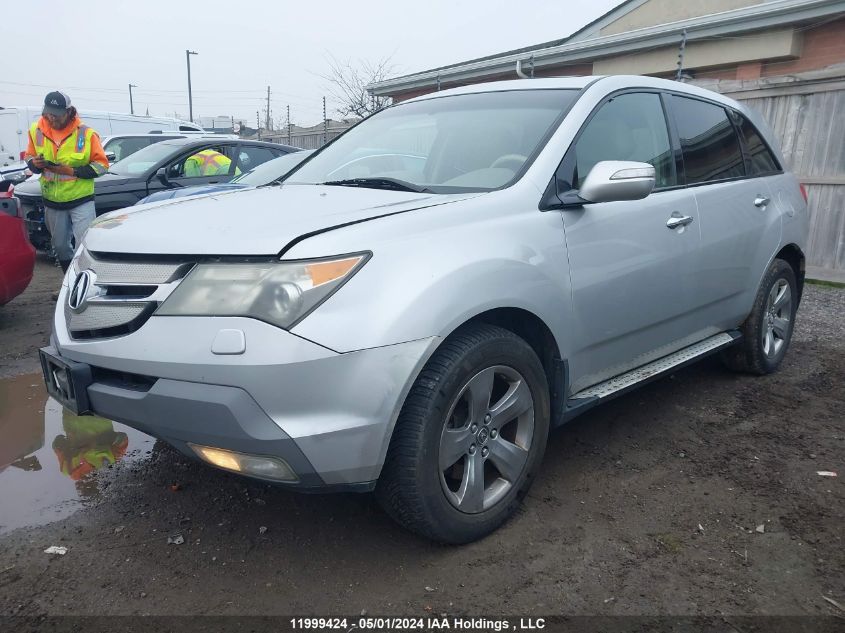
17,255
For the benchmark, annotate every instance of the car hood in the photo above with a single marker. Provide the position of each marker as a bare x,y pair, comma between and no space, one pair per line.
108,180
32,186
169,194
28,188
252,222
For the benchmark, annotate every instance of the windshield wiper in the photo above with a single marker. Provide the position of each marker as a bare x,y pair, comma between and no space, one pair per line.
393,184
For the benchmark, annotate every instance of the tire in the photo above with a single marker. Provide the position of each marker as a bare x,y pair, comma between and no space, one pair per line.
443,443
768,329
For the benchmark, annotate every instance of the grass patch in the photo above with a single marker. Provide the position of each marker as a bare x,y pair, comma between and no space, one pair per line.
670,542
828,284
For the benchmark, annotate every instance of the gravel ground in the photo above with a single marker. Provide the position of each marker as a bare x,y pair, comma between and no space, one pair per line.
650,504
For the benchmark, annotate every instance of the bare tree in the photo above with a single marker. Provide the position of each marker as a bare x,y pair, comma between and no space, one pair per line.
349,85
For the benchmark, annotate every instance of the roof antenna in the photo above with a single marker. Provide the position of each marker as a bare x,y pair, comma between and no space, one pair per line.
679,76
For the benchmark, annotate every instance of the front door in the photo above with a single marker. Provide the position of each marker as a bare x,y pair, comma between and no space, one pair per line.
205,165
632,275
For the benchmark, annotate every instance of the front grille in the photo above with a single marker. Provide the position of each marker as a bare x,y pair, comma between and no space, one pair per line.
103,317
121,296
148,273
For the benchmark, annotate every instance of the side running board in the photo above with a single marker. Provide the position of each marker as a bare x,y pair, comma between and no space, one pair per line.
587,398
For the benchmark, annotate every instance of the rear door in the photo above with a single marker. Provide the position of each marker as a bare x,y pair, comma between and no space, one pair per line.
632,276
740,227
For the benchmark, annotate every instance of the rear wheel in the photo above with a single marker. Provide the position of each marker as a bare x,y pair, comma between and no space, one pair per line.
469,438
768,329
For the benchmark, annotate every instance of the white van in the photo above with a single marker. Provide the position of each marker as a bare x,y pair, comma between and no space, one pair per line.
15,122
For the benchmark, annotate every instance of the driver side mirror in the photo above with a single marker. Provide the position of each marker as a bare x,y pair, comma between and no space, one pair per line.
111,157
161,175
617,180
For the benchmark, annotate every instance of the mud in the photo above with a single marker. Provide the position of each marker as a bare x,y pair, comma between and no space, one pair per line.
650,505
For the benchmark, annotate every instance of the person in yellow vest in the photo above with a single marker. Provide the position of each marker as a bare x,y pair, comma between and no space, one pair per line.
208,162
68,155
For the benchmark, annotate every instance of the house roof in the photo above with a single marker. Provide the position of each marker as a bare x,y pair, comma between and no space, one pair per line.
585,45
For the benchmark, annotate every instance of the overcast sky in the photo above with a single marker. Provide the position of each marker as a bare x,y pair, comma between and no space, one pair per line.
93,49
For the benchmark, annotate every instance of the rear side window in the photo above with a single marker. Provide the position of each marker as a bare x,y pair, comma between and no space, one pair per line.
709,142
628,127
250,157
759,158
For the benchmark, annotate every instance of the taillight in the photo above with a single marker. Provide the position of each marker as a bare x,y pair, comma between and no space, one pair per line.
803,191
22,155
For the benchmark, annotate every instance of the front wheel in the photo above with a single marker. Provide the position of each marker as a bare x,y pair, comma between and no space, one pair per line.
469,438
768,329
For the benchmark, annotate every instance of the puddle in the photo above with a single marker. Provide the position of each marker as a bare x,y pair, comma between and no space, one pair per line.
49,457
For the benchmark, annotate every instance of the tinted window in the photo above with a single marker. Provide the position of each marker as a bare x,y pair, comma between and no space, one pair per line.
251,157
759,159
628,127
709,142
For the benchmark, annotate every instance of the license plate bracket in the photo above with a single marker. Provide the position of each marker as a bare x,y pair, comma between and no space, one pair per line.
67,381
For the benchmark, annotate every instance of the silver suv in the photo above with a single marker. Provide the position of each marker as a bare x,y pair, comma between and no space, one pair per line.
416,307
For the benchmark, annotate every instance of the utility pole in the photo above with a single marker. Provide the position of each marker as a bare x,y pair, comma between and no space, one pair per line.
288,124
131,105
267,120
325,123
190,98
679,75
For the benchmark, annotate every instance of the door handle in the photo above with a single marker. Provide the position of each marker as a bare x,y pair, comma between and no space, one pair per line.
678,220
761,202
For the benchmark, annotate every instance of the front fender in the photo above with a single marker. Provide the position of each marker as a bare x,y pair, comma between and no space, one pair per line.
433,270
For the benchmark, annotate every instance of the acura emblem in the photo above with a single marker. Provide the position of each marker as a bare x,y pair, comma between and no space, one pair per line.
78,295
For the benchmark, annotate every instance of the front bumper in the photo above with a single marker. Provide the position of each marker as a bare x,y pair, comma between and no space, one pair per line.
328,415
36,225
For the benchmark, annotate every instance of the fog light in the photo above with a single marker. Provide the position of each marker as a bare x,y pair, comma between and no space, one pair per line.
254,465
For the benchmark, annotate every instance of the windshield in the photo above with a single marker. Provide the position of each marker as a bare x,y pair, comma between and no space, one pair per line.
142,160
272,170
472,142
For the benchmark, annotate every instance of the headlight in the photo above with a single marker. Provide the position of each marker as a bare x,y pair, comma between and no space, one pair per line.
280,293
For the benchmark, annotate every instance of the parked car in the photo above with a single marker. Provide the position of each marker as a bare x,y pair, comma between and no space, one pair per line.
150,169
419,331
15,122
17,255
273,171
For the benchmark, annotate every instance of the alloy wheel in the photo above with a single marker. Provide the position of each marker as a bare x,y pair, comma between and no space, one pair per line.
777,319
486,439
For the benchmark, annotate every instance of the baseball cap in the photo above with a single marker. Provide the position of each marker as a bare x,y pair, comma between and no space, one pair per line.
56,103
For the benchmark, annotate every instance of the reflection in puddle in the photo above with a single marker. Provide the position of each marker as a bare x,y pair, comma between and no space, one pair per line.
48,456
